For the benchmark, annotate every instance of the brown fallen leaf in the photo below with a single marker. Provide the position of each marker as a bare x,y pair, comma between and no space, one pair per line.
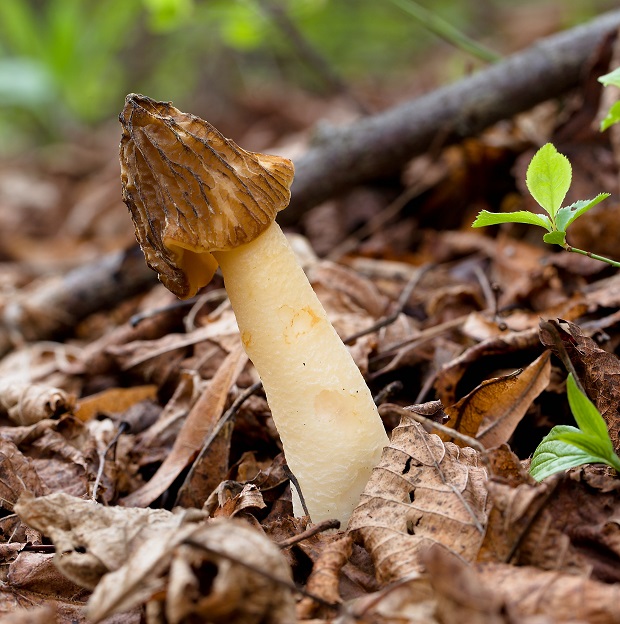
200,422
114,400
450,375
54,448
90,539
17,475
45,614
563,598
230,505
459,594
27,403
222,571
598,370
422,492
491,412
208,471
566,524
325,576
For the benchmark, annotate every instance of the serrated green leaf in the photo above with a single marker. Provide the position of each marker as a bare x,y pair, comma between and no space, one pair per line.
553,456
548,178
586,415
555,238
612,117
568,214
612,78
485,218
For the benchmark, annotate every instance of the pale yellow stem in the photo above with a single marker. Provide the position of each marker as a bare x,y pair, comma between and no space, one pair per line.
328,423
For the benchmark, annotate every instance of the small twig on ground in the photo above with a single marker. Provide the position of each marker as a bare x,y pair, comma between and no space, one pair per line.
383,143
294,483
231,412
400,306
315,529
122,428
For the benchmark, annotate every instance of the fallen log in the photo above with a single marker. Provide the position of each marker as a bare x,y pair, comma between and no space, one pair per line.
380,144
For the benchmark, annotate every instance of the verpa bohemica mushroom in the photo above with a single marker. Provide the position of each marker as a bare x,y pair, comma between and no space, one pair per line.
198,200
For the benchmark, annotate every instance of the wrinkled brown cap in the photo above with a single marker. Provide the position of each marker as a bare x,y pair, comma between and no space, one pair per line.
192,191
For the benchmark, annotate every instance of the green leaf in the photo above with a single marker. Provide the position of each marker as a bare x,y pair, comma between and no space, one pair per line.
596,448
485,218
587,416
553,455
612,78
568,214
548,178
613,117
555,238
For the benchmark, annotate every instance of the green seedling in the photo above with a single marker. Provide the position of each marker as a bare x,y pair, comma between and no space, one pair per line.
613,115
566,447
548,179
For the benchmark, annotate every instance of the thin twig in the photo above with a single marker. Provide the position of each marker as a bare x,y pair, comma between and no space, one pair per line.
123,426
315,529
294,483
400,306
136,319
230,413
594,256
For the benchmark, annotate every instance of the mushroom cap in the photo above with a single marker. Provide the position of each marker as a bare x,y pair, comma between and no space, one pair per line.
191,191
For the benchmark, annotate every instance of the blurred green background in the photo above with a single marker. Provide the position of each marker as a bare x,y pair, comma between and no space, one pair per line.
67,64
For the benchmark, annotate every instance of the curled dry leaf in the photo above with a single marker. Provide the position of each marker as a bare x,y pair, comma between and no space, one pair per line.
491,412
90,539
247,575
26,403
325,576
422,492
564,598
450,375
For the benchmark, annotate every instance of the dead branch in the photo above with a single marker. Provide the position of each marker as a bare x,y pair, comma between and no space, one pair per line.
46,308
381,144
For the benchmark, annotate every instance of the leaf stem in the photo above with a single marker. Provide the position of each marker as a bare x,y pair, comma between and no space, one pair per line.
593,255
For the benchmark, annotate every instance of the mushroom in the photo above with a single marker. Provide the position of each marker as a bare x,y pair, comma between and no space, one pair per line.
198,201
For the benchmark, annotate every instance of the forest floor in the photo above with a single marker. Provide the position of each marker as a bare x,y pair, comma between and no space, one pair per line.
103,371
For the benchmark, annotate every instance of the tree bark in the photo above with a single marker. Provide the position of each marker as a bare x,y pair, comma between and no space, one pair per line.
381,144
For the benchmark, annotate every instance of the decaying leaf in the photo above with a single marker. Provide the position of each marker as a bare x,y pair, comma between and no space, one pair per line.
450,375
324,579
27,403
491,412
422,492
563,524
113,400
243,571
199,423
90,539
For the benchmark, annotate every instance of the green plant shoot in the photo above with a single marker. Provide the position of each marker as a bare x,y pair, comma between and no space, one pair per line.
548,179
613,115
567,447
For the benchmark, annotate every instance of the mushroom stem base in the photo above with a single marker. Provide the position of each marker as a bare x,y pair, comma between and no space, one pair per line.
330,429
